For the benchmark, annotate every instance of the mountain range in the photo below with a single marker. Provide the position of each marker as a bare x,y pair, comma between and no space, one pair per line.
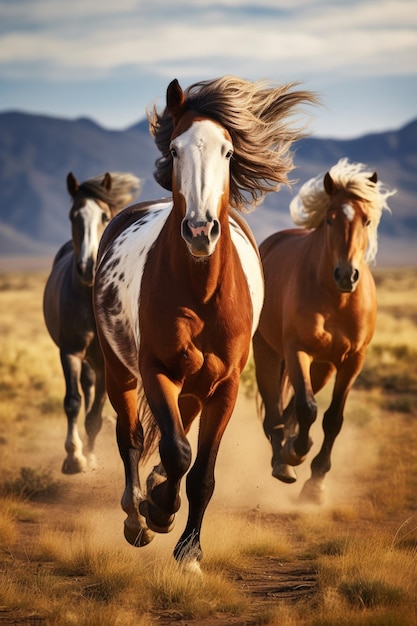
37,152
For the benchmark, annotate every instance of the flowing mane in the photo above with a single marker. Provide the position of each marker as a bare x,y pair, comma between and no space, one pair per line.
124,187
256,116
308,209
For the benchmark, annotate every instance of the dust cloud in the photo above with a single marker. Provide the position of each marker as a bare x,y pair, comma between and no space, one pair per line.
243,475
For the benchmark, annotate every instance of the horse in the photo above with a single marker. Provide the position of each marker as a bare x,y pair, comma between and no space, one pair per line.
179,289
318,316
68,306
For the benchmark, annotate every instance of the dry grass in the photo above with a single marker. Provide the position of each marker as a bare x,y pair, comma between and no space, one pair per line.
63,558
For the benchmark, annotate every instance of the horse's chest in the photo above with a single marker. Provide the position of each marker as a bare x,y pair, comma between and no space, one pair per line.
203,345
338,337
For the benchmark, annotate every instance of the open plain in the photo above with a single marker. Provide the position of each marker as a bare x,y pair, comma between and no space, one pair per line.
268,559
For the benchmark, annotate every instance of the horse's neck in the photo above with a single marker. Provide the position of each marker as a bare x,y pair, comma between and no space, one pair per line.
206,274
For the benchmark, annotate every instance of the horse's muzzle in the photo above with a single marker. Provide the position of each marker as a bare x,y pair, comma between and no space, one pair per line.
86,271
201,237
346,278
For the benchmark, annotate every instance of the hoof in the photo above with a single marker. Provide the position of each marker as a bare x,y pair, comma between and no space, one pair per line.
136,538
289,455
313,492
92,461
192,567
74,465
147,509
285,473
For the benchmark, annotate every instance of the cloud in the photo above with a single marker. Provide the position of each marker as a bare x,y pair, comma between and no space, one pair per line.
110,60
75,40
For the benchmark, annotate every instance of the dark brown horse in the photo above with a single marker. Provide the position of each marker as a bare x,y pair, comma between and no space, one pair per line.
68,306
179,290
319,314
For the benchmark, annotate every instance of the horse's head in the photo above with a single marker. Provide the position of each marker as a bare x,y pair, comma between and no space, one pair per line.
347,221
89,216
201,150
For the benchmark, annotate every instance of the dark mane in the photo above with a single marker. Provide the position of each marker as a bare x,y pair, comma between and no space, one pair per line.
94,189
256,116
124,188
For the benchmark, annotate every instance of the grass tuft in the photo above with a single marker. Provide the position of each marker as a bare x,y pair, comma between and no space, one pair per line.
31,484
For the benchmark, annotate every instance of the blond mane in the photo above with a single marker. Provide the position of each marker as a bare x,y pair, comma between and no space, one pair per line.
257,117
308,209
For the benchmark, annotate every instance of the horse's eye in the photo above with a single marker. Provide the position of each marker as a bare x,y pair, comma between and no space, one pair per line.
329,221
105,218
229,154
366,222
173,153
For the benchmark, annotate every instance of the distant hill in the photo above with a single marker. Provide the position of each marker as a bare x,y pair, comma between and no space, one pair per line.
37,152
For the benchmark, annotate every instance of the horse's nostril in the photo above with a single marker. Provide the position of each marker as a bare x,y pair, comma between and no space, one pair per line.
186,231
337,274
215,230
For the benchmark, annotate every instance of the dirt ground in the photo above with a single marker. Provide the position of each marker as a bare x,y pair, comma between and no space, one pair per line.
244,485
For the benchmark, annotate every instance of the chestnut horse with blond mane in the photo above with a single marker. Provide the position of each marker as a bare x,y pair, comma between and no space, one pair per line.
179,290
319,314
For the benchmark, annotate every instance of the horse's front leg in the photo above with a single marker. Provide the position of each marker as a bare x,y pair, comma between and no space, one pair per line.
122,391
163,484
268,370
313,489
297,446
200,479
93,382
75,460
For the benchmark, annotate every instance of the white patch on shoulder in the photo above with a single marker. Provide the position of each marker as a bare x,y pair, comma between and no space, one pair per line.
252,268
122,266
349,211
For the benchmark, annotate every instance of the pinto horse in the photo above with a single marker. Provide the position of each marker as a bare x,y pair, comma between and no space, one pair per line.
179,289
68,306
319,314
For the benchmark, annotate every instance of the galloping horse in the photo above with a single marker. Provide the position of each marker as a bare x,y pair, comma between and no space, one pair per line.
179,289
68,306
318,315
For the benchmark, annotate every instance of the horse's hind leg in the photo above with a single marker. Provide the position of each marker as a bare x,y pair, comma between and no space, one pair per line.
313,489
121,388
75,461
269,368
297,446
93,384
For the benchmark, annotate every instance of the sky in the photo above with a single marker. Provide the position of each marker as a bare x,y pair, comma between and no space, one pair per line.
110,60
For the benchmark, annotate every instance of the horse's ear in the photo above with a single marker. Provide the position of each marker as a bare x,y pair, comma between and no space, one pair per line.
328,184
175,98
72,184
107,181
374,178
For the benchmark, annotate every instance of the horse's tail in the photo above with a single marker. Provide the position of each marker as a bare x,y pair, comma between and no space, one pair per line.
285,396
151,432
260,407
286,389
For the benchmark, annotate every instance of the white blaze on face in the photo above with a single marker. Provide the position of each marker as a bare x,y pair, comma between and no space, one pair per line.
201,168
91,214
349,212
